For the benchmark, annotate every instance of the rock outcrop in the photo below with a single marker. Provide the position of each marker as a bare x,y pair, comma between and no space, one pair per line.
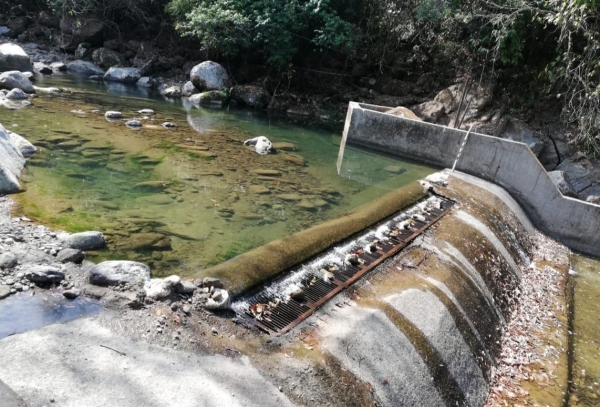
84,68
251,96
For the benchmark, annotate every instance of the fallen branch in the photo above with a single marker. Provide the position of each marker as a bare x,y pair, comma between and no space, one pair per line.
114,350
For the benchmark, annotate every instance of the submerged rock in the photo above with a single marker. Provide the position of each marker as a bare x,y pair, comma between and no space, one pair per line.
133,123
262,145
112,114
169,125
44,275
213,97
146,111
115,272
85,240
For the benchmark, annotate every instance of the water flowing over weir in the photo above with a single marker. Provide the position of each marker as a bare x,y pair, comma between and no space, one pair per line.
423,327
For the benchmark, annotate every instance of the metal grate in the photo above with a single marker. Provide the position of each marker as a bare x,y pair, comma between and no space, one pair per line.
273,314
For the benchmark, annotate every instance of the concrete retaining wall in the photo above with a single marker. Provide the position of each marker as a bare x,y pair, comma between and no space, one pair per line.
509,164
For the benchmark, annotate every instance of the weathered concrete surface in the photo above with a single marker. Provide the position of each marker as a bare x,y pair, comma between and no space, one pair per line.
8,398
356,337
67,364
509,164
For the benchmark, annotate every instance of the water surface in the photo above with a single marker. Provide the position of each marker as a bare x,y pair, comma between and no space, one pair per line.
185,198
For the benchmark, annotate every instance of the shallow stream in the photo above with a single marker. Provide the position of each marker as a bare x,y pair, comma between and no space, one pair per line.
185,198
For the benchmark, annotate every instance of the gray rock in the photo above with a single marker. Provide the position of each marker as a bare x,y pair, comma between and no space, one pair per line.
42,68
13,58
211,97
10,281
106,58
16,94
157,289
15,79
11,163
133,123
562,182
209,75
187,309
220,300
44,275
24,146
84,68
7,260
188,89
169,125
4,30
83,51
171,91
212,282
144,82
519,131
185,287
58,66
72,293
4,291
85,240
119,271
70,255
146,111
125,75
111,114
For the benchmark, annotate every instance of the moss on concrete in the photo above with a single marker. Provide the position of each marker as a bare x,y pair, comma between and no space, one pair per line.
253,267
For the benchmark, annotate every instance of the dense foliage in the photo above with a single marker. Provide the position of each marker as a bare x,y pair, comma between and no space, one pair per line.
553,45
272,28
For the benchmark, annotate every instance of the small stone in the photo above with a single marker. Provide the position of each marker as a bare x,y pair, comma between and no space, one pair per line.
212,282
133,123
187,309
72,293
7,260
214,330
174,306
70,255
146,111
111,114
169,125
4,291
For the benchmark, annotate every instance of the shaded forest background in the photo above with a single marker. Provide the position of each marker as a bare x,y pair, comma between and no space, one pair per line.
535,50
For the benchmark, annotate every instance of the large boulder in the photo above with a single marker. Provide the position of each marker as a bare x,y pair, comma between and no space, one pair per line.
24,146
517,130
85,240
13,58
209,75
84,68
106,58
44,275
125,75
252,96
116,272
15,79
11,163
16,94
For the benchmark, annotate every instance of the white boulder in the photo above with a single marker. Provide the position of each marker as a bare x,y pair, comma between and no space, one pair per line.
262,145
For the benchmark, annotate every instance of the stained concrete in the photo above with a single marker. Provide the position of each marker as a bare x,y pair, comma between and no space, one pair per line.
82,363
509,164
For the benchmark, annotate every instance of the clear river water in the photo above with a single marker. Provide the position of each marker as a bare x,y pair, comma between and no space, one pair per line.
185,198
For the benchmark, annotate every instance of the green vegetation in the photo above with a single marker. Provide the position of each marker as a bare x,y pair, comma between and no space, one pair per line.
536,48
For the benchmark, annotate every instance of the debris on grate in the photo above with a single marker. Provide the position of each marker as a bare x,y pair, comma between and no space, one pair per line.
293,297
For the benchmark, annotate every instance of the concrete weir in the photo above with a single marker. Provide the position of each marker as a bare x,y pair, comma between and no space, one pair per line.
506,163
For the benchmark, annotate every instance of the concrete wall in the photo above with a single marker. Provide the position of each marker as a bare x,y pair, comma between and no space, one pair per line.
509,164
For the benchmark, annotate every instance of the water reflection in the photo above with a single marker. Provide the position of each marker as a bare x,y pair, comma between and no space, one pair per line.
23,312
